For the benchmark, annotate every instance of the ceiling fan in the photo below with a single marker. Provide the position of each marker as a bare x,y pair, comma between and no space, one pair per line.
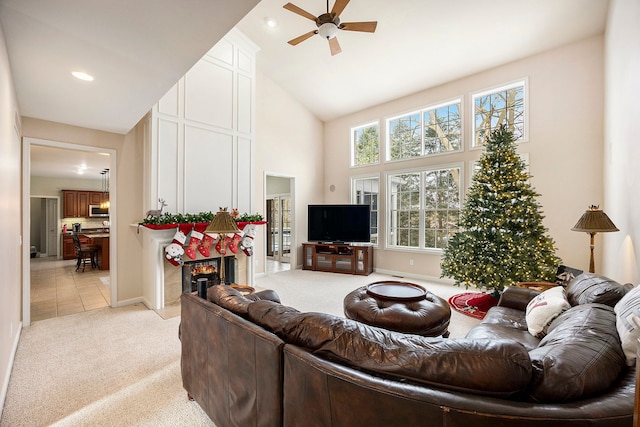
329,24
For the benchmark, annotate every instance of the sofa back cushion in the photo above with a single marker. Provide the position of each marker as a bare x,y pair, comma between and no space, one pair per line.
628,323
590,288
228,298
489,367
580,356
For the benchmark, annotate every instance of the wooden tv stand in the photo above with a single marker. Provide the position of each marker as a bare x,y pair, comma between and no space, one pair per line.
337,258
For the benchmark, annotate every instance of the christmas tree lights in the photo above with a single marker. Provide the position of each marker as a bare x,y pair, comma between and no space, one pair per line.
501,239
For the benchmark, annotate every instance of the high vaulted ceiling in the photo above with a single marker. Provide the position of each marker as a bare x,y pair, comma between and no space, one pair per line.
138,49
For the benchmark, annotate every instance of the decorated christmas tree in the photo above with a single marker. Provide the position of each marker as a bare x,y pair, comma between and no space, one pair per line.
501,239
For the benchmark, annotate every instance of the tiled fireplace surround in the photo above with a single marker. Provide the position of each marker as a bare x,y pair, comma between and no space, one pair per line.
162,281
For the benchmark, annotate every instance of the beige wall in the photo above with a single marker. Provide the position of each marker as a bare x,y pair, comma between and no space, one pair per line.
127,206
565,89
622,141
48,186
288,143
10,221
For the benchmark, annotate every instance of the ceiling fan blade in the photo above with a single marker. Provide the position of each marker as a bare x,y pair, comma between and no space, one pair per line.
302,38
338,7
295,9
334,46
367,27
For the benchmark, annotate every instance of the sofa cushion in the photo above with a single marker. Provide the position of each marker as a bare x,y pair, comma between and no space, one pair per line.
234,301
581,355
544,308
229,298
591,288
490,367
628,323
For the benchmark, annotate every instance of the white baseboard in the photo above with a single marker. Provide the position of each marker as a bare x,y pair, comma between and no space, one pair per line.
9,368
133,301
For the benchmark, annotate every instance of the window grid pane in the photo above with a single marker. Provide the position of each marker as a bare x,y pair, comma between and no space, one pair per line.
442,129
404,224
442,206
504,106
366,193
405,137
366,145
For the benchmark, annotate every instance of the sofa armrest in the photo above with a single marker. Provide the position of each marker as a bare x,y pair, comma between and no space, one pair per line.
516,297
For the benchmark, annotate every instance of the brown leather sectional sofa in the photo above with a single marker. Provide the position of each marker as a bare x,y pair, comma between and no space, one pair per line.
256,362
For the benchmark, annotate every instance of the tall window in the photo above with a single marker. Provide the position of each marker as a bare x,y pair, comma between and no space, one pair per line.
365,145
423,207
365,191
433,130
505,105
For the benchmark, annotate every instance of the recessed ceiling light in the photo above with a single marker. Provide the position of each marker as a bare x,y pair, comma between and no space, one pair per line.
82,76
271,22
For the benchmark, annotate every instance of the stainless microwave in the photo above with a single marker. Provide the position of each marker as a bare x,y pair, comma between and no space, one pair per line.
97,211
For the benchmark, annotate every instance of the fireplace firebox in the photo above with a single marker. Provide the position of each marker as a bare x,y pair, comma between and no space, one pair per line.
208,269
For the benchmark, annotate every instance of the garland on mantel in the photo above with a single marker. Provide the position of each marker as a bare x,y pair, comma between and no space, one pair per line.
170,220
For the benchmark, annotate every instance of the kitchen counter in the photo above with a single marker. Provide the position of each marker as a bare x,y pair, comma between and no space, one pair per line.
102,241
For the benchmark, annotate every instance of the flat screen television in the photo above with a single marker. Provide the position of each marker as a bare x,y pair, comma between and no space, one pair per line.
339,223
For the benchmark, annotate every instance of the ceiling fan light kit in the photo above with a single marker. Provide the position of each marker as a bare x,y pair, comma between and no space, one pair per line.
329,24
328,30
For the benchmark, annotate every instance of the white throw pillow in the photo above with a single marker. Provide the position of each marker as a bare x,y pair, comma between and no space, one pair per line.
544,308
628,323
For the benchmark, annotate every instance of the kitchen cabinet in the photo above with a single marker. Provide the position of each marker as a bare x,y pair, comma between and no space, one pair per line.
75,203
83,204
97,197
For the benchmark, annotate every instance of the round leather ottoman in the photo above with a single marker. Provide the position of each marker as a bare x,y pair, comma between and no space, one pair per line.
428,316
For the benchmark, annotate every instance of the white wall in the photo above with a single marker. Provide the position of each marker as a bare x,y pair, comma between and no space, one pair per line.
288,143
622,140
565,89
10,221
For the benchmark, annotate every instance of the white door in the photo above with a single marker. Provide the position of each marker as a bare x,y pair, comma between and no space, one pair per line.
279,228
51,222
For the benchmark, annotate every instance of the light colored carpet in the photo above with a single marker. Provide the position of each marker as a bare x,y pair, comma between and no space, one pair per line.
121,367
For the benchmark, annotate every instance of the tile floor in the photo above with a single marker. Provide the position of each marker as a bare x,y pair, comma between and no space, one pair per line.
58,290
275,266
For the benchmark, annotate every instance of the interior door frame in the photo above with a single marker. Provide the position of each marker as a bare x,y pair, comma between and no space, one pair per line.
27,142
293,252
55,220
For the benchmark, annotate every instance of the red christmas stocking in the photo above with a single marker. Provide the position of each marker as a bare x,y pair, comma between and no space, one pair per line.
194,242
205,245
233,244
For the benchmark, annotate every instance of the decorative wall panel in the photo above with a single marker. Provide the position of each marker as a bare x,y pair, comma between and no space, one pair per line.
208,170
168,165
209,95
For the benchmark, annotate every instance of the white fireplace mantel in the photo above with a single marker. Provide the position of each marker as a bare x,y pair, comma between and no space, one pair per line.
154,264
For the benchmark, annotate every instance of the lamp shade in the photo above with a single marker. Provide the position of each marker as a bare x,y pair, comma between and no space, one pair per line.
594,220
222,223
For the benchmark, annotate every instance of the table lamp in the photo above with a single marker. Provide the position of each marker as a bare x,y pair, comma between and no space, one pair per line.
593,221
222,224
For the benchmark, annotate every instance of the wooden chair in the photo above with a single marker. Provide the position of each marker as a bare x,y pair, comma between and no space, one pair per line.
84,253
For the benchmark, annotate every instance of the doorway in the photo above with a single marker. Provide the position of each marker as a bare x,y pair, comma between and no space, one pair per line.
279,228
279,203
48,199
44,241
